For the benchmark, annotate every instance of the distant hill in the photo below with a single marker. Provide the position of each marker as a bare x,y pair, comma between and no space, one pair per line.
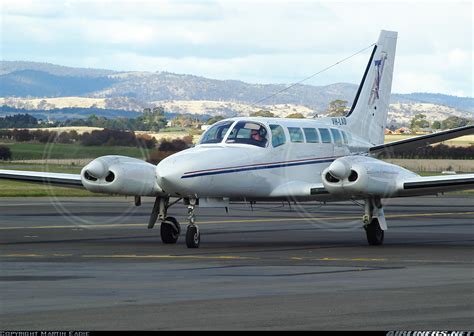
134,90
53,69
27,83
459,103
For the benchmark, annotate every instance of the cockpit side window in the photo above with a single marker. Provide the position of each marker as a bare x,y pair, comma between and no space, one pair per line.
278,135
250,133
216,133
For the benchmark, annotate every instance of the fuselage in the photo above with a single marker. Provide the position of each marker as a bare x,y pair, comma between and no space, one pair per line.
227,162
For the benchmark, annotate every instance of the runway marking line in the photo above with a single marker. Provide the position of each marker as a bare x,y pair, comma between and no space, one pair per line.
338,259
129,256
306,219
29,255
198,257
351,259
168,257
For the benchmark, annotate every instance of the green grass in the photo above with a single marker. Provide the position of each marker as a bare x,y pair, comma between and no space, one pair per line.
23,189
36,151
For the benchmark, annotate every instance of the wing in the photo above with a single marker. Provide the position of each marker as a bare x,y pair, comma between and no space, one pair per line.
423,140
434,184
54,179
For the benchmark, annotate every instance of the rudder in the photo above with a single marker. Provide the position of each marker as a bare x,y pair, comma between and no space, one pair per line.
368,115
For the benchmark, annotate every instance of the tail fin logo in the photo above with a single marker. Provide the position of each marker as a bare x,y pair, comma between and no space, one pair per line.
379,65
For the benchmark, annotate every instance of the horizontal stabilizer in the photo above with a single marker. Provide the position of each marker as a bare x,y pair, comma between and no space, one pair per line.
421,141
54,179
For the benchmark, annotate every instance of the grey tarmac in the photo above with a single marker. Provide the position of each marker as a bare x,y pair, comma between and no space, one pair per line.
92,264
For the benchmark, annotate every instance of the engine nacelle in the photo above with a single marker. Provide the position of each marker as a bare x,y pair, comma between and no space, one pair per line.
114,174
363,176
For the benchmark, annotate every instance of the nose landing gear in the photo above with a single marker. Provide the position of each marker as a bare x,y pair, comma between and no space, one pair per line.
193,236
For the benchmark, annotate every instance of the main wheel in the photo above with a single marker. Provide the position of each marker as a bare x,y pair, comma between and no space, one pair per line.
193,237
170,230
374,232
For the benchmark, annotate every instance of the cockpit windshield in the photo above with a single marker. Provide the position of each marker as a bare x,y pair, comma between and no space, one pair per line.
250,133
216,133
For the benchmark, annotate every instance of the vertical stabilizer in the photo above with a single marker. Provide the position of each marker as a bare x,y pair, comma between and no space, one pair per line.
368,115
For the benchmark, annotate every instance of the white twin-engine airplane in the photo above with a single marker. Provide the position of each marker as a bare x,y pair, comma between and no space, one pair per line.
271,159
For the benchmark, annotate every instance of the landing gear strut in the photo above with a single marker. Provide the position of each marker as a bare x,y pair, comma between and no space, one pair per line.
193,237
374,221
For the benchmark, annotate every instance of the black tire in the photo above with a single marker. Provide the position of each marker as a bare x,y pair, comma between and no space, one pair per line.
374,233
168,231
193,237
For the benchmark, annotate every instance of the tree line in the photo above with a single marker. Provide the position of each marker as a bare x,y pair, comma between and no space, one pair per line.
419,121
105,137
440,151
19,121
150,120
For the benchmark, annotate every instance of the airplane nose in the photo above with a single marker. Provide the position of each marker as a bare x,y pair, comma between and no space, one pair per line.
164,170
169,172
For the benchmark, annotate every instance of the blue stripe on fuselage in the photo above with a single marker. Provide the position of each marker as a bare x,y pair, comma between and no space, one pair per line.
271,166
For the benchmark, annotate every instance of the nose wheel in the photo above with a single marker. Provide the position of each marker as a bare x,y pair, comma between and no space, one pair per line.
193,237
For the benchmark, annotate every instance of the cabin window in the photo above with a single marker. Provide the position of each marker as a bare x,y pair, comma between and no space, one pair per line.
249,133
296,135
349,137
325,135
311,135
336,135
216,133
344,137
278,135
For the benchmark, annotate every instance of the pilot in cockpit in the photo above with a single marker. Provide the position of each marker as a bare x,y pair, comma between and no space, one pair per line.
256,136
259,136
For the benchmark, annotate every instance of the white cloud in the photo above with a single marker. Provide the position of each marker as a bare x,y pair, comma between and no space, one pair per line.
459,58
258,41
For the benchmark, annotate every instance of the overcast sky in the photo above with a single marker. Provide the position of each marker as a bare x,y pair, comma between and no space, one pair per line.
255,41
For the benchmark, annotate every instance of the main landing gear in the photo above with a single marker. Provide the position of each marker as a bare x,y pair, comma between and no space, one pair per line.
374,221
170,228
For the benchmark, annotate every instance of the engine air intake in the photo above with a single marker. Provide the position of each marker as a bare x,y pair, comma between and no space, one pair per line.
331,178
